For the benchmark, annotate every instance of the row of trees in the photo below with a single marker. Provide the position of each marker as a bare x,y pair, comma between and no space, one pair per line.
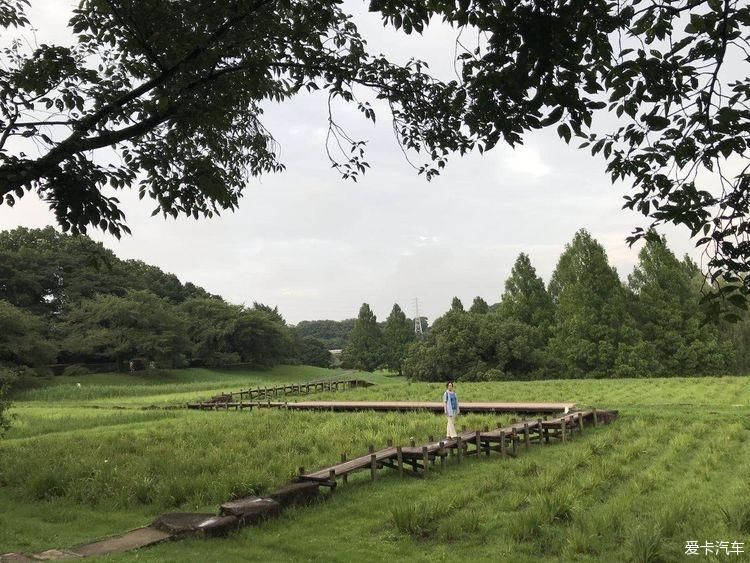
66,299
585,323
372,346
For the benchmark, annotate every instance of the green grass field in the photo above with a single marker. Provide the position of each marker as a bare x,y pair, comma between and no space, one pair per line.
86,462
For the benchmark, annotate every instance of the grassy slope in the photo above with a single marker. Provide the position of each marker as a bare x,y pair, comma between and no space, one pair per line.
658,477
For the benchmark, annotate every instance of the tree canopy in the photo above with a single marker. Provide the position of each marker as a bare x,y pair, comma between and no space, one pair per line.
178,89
67,298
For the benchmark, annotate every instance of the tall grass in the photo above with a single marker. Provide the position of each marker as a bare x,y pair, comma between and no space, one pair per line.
637,490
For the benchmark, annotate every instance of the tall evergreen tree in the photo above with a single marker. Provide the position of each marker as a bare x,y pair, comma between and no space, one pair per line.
456,305
479,306
525,298
591,318
398,334
669,316
365,347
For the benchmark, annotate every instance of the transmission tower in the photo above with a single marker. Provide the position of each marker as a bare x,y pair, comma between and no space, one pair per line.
417,319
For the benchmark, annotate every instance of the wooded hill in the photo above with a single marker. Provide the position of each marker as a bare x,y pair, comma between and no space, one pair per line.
68,300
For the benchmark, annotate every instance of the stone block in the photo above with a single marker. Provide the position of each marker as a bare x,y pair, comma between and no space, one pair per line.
187,523
250,510
297,494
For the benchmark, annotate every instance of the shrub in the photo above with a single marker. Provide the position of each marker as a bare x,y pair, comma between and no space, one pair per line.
7,378
416,520
48,485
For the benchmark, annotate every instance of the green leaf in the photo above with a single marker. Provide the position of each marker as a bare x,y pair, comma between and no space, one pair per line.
564,132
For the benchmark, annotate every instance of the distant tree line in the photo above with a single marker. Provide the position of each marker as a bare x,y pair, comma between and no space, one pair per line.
334,334
585,323
67,300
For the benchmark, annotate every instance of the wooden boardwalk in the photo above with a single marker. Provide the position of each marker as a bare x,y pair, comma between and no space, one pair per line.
290,389
506,441
347,406
407,460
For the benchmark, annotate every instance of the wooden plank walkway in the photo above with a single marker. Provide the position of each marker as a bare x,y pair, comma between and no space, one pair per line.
290,389
505,440
347,406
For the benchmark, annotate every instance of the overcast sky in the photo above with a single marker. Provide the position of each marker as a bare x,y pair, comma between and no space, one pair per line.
318,246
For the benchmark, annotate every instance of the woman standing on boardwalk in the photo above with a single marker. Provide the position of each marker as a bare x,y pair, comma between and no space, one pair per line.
450,405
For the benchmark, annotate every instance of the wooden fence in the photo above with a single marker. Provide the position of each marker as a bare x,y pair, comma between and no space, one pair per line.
235,399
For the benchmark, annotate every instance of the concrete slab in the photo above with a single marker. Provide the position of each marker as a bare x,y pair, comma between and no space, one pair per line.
135,539
15,558
188,523
55,555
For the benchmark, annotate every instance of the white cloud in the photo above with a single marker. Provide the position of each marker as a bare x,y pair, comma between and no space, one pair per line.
525,160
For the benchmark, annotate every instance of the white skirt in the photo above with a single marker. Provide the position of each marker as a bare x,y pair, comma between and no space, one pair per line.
451,430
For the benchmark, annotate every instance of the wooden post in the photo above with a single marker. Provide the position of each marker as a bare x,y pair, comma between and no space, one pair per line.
400,460
539,430
478,441
526,437
595,420
332,478
373,466
344,477
562,430
425,460
513,439
487,450
442,454
459,449
580,422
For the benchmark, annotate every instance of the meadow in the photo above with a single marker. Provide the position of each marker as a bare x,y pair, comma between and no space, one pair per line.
87,461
